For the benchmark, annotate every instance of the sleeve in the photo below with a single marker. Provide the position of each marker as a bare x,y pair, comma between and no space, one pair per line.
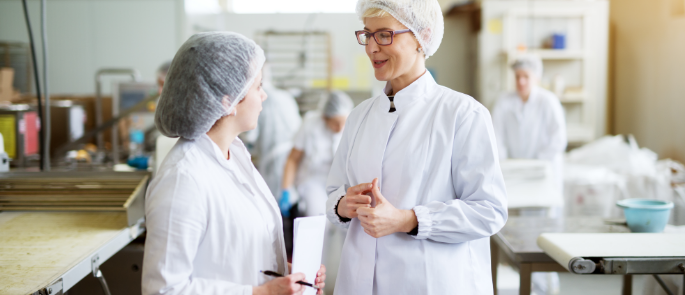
555,132
176,220
337,182
498,122
480,209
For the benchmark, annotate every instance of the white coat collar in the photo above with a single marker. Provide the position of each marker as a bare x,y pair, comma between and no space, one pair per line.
415,91
237,146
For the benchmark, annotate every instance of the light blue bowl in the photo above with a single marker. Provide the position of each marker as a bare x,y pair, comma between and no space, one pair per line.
646,216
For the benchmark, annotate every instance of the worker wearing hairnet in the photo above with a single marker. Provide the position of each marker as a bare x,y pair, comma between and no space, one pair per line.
416,177
529,124
313,148
309,163
212,224
271,141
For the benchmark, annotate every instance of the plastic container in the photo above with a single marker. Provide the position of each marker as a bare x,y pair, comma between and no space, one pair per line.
646,216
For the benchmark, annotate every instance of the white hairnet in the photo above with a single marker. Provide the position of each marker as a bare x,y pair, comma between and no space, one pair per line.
422,17
338,103
209,75
530,63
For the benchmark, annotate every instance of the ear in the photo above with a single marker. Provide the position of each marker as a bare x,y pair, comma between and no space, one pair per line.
425,36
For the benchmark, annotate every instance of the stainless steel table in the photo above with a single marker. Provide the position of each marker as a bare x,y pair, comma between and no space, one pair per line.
517,241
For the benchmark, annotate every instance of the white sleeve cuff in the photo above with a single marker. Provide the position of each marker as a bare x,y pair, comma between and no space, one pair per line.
425,222
333,200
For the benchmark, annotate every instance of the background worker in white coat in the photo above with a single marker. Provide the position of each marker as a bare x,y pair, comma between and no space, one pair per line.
312,154
212,223
308,166
530,124
416,178
272,141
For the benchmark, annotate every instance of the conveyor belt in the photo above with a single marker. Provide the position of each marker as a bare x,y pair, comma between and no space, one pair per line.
616,253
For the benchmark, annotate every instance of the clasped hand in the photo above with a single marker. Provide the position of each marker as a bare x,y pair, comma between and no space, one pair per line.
378,221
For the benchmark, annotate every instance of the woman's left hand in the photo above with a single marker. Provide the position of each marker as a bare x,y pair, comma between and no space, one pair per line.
385,219
320,279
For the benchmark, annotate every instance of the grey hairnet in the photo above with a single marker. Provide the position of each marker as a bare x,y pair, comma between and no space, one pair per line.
338,103
422,17
209,75
530,63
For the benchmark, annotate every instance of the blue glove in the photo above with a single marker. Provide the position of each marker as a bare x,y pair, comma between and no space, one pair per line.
284,203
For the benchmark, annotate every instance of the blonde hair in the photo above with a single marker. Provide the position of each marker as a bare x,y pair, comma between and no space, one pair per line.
374,12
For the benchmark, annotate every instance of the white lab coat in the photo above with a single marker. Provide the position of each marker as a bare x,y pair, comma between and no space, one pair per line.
212,223
319,145
532,130
436,155
272,139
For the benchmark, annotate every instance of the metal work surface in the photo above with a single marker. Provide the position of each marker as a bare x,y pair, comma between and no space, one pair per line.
518,237
517,240
41,249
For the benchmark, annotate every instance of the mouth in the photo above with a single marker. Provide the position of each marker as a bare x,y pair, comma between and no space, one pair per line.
377,63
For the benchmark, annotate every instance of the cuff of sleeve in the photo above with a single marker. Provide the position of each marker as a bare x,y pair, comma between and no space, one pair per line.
333,201
425,222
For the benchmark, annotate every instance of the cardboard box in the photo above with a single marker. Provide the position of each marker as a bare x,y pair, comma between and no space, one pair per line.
6,80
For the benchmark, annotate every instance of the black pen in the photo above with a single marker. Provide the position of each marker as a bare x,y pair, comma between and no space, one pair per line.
275,274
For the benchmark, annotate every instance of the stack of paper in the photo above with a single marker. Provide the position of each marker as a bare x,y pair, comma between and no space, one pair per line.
530,184
307,247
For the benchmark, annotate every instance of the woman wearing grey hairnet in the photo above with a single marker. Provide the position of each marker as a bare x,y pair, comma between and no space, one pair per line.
212,223
416,177
309,163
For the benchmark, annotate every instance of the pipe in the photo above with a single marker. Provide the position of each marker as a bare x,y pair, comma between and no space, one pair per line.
41,139
47,124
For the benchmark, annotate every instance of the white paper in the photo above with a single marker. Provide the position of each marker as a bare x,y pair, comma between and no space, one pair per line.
308,247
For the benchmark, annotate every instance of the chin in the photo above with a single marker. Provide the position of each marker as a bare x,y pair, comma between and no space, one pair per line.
382,76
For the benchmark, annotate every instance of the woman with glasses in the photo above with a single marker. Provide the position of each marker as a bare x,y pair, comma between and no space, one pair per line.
416,178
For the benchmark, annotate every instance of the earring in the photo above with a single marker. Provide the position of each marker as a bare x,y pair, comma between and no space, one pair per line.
418,49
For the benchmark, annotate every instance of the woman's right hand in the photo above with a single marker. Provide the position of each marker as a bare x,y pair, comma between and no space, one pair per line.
281,286
354,199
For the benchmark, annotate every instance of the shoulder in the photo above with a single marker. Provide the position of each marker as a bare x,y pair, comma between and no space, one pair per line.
546,97
311,120
462,105
549,103
183,158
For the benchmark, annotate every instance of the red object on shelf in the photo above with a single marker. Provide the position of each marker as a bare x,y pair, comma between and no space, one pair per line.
29,125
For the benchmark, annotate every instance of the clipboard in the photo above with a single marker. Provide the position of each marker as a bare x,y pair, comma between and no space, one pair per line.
308,235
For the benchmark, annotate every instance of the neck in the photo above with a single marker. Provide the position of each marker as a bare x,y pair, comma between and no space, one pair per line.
525,96
406,79
223,133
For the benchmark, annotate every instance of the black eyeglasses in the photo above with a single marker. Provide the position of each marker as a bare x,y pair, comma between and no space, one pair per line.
381,37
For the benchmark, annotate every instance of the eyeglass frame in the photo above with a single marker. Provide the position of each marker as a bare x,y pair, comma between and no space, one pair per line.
392,36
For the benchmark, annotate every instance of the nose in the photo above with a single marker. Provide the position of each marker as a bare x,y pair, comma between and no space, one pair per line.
372,46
